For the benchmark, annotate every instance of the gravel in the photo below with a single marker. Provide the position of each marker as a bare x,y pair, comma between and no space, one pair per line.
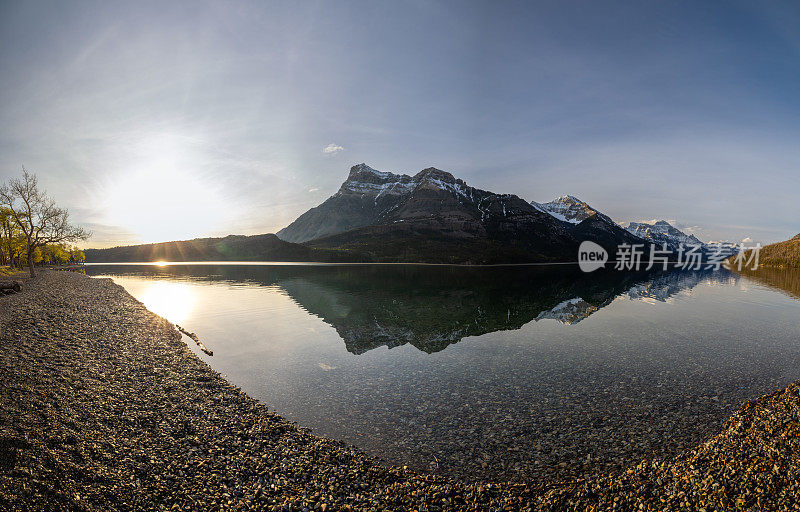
105,408
753,464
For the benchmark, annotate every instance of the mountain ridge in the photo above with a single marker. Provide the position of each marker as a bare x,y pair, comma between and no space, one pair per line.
266,247
780,254
430,217
662,233
434,217
370,197
570,209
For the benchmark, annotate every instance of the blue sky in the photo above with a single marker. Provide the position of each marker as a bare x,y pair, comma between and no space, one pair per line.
153,121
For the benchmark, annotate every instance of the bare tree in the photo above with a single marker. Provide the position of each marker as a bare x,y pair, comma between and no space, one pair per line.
36,214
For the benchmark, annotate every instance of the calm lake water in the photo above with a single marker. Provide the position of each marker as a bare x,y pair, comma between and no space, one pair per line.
486,373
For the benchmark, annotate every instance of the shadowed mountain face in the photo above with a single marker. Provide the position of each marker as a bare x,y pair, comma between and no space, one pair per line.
376,216
781,254
433,217
370,197
392,217
432,307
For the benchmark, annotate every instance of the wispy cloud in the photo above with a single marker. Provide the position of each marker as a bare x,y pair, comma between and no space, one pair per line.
332,148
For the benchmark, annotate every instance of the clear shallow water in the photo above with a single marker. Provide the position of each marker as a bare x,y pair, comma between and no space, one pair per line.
486,373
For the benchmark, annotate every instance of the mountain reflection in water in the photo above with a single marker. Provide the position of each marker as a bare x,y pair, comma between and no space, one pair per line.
432,307
517,373
784,279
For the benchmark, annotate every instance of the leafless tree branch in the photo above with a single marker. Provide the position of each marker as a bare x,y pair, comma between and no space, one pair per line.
36,215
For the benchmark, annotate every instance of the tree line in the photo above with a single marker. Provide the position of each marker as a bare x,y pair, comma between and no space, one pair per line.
33,229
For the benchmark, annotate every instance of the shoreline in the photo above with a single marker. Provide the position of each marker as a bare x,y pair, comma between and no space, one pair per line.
106,408
326,263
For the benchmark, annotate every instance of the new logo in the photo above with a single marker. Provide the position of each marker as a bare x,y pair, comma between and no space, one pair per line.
591,256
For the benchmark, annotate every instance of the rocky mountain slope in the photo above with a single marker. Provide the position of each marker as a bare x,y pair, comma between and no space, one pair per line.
431,217
781,254
570,209
434,217
370,197
662,232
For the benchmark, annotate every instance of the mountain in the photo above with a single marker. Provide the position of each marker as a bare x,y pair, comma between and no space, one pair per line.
587,222
369,197
431,217
662,232
363,199
434,217
778,266
570,209
230,248
781,254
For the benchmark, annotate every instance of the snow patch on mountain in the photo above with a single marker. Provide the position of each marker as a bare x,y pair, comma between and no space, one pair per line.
570,311
365,180
569,209
662,232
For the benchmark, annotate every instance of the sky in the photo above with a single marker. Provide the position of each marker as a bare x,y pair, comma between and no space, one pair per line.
156,121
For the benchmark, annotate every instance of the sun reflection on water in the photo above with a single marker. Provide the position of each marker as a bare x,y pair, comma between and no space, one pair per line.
173,301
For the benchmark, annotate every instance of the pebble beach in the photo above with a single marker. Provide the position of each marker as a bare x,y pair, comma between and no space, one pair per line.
105,408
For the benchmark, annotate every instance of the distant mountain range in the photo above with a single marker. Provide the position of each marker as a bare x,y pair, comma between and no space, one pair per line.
430,217
663,233
573,210
230,248
434,217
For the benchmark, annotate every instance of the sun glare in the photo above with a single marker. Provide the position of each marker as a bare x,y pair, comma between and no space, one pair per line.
163,196
173,301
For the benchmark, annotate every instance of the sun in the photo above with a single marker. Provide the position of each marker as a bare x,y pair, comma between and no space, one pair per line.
162,195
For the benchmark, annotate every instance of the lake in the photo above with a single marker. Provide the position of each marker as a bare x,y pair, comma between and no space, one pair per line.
492,373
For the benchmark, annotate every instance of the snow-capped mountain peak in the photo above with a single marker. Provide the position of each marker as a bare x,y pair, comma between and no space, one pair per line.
366,181
570,209
662,232
369,197
434,174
